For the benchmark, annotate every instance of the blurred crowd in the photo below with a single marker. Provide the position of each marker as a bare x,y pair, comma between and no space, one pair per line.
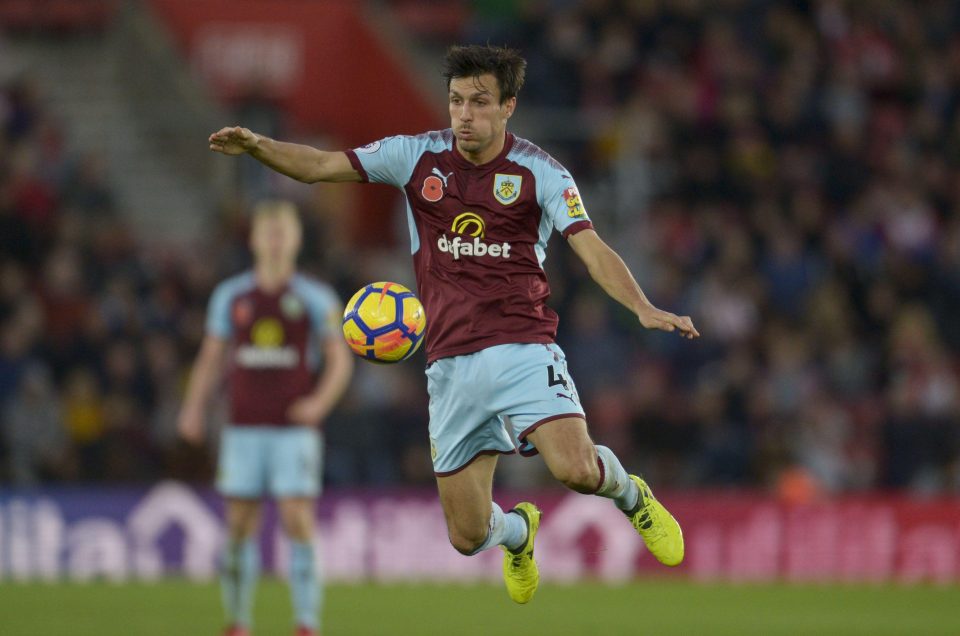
787,173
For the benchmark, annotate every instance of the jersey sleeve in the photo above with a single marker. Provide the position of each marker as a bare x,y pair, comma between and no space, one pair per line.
324,308
560,201
218,312
390,160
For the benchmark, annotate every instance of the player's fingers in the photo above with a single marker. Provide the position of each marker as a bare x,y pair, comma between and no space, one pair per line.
685,324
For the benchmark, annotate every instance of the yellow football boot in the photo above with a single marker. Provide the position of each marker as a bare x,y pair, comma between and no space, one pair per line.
520,571
660,531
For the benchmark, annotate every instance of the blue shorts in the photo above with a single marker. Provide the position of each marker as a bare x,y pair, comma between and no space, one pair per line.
256,461
489,401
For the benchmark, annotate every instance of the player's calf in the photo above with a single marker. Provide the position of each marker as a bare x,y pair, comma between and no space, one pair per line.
467,540
581,475
506,529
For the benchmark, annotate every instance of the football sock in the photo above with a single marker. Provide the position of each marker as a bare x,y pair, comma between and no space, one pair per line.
240,569
506,529
305,584
614,481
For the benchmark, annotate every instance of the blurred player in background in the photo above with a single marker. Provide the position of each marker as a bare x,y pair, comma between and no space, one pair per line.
273,329
481,206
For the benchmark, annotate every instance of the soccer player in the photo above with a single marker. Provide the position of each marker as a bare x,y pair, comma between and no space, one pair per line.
272,328
481,204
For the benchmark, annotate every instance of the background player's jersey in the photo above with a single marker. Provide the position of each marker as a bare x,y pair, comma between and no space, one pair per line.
274,354
478,235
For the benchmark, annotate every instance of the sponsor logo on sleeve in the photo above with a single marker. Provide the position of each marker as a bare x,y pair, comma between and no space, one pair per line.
369,149
506,188
574,206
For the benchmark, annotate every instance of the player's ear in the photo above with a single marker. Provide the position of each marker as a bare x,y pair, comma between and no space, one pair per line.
509,106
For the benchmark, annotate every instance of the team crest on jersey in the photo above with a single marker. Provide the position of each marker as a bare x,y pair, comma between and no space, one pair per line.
506,188
574,206
291,306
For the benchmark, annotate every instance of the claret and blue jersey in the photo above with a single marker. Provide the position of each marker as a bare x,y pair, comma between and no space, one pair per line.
478,235
273,337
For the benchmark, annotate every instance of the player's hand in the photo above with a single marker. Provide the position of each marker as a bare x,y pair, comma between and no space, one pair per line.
190,427
233,140
307,411
653,318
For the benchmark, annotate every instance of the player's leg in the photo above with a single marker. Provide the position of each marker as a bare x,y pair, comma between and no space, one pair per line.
240,562
545,411
241,481
294,476
297,518
578,464
475,523
466,435
465,438
574,460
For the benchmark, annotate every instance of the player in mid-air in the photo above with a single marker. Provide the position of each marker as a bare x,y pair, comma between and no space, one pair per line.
277,333
481,204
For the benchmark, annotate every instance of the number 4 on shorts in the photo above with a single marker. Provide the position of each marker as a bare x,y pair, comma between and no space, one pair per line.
554,378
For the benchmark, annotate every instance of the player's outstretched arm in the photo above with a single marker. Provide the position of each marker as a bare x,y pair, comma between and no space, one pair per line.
297,161
203,378
611,273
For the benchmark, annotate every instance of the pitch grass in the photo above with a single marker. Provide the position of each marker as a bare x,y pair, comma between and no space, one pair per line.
660,608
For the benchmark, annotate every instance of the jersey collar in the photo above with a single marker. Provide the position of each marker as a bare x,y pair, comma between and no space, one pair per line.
467,165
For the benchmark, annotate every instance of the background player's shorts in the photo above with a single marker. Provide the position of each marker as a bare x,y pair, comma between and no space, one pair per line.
489,401
256,461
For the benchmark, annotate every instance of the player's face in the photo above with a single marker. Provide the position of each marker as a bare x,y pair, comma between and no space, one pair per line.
276,238
477,117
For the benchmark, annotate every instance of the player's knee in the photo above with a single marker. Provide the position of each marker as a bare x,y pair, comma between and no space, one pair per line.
240,530
467,541
580,476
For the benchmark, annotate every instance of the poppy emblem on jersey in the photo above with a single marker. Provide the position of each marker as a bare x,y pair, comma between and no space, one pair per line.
243,313
267,333
574,206
506,188
469,223
432,189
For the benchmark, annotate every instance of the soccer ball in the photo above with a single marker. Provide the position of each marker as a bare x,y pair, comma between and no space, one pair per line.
384,322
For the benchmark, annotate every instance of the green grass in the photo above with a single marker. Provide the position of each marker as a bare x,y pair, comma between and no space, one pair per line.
659,608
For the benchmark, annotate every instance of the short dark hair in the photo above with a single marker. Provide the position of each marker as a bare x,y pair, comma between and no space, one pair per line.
475,60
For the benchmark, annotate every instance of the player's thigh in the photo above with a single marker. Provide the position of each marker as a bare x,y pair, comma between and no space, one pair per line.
295,467
568,452
534,389
297,517
243,518
465,496
463,424
241,469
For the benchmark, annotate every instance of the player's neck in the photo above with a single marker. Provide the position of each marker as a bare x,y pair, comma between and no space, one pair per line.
272,277
486,155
